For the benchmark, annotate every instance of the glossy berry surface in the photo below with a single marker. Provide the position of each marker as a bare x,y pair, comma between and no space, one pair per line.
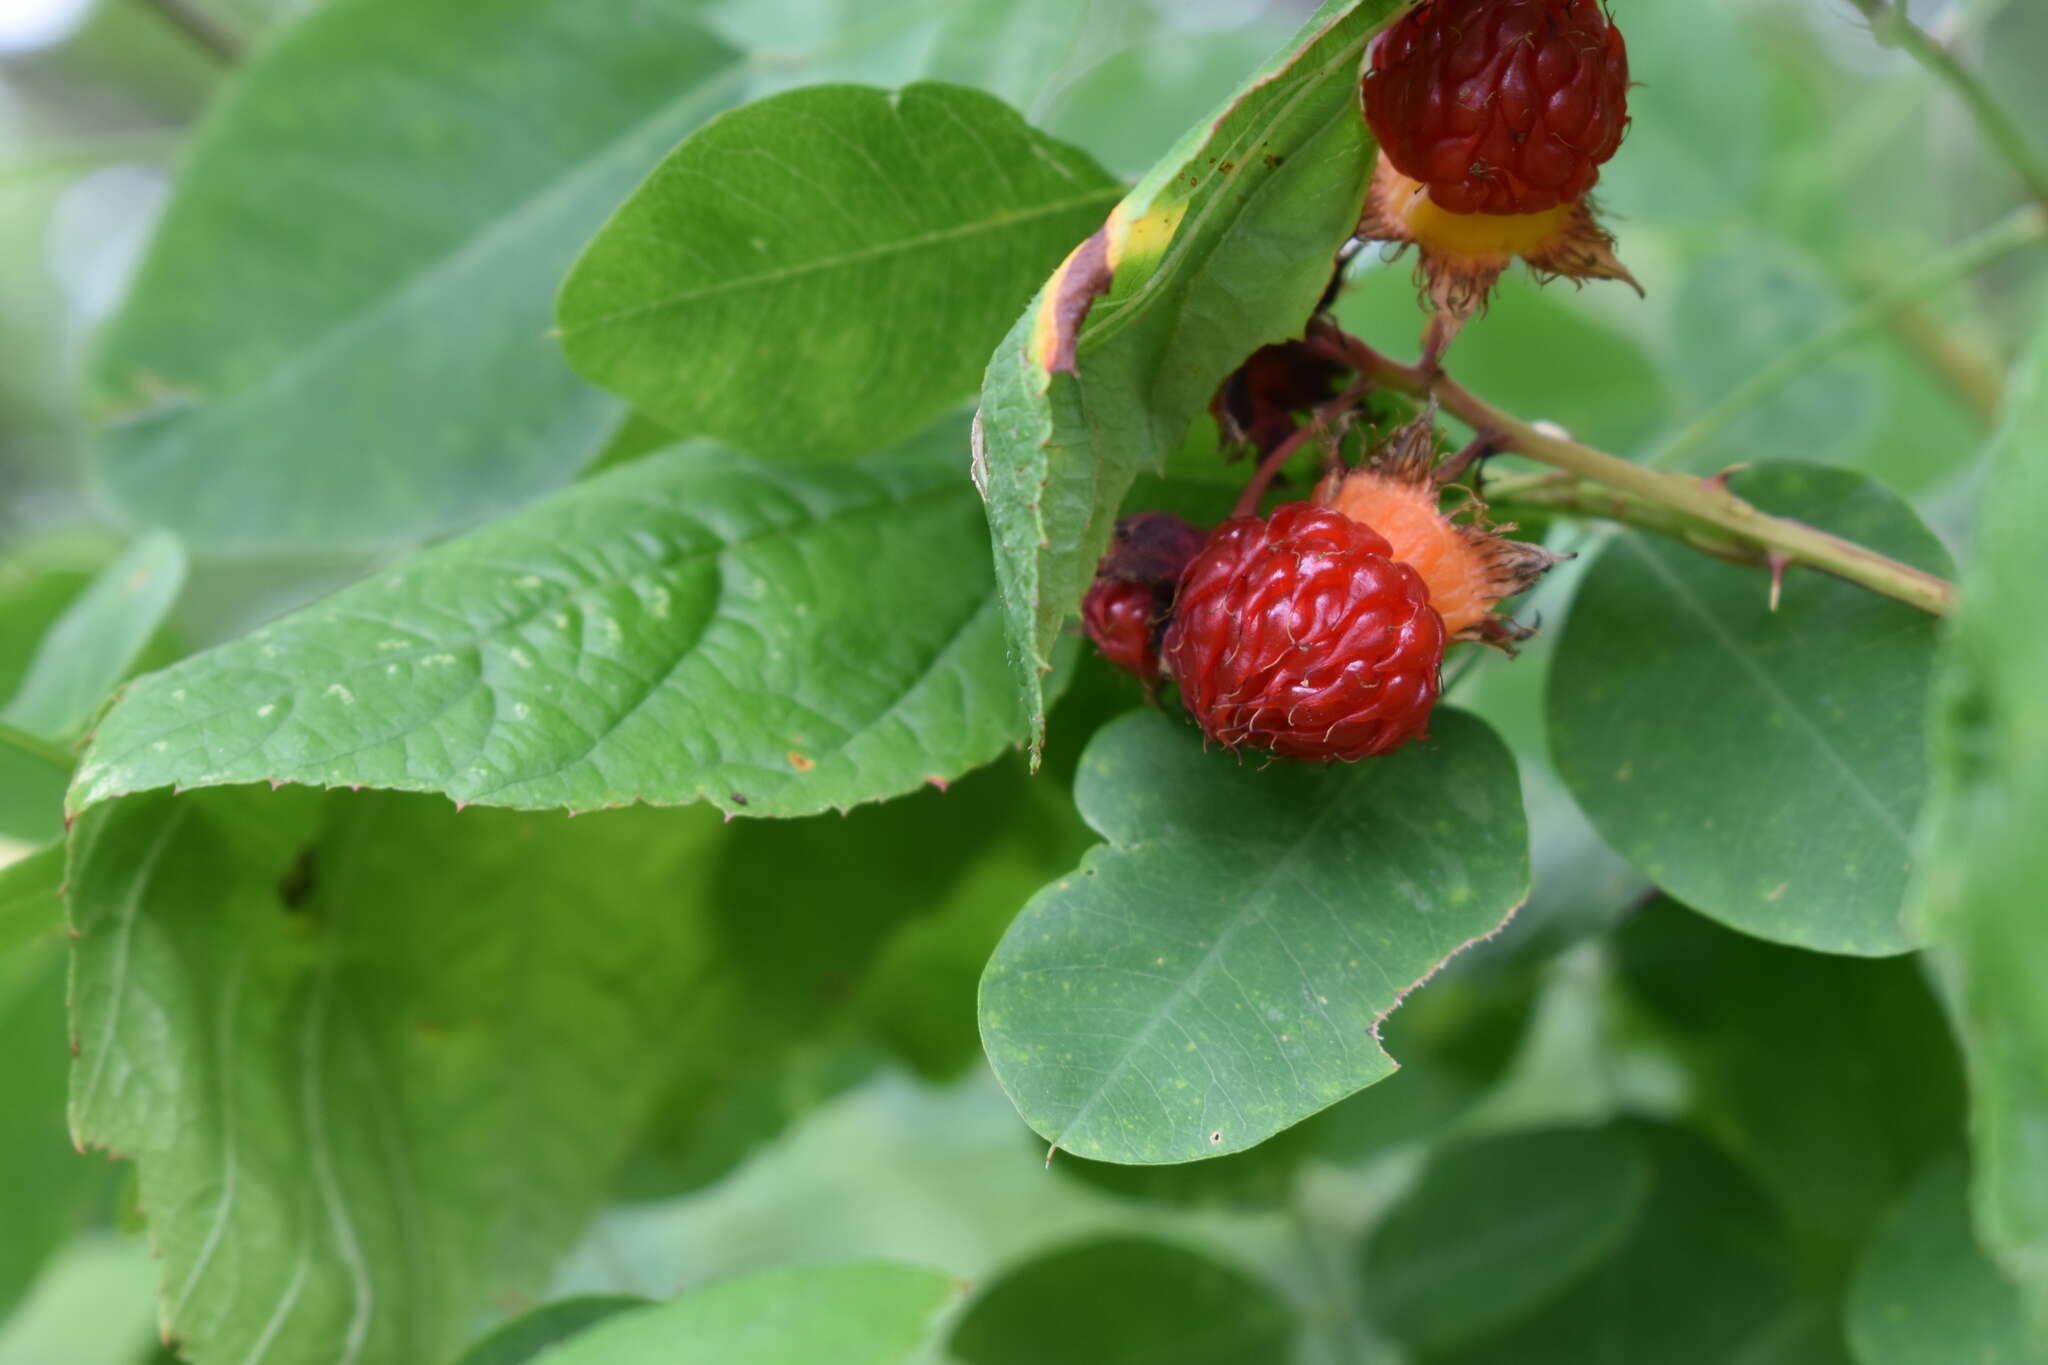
1299,635
1127,605
1121,618
1500,106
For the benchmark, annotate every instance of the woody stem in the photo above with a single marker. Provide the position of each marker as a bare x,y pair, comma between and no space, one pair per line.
1704,509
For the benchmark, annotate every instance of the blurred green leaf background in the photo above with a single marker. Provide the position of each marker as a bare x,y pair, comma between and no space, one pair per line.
1783,169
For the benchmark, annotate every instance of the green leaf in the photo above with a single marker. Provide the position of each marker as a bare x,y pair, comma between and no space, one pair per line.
821,272
33,775
38,580
1737,310
46,1186
92,1303
31,897
377,1061
1456,1041
1499,1227
1124,1301
1808,1334
695,625
1012,835
1766,768
1834,1080
1698,140
819,941
1128,106
1225,245
98,638
1926,1294
1985,859
1699,1275
864,1314
339,337
1217,970
525,1338
1023,52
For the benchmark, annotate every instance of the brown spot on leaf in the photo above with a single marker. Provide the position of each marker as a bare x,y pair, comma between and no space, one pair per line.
1081,279
800,763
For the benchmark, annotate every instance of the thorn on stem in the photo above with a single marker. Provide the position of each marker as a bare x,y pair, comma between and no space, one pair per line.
1779,562
1719,482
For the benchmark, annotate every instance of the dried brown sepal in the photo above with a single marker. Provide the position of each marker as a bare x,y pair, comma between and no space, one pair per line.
1582,250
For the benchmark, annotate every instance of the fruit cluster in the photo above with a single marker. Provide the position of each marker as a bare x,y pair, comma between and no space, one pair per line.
1316,632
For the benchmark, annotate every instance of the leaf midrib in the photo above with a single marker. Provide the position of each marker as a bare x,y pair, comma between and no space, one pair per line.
884,497
1251,909
863,255
1765,683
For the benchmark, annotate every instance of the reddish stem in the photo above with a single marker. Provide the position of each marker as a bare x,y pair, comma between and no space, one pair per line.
1269,467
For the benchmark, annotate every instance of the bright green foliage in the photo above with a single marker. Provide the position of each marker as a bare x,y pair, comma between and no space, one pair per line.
98,638
331,1033
1987,860
695,626
872,1314
1818,706
31,906
1217,970
1497,1228
33,775
524,1339
1926,1294
44,1197
1226,245
1171,1305
822,272
507,413
339,338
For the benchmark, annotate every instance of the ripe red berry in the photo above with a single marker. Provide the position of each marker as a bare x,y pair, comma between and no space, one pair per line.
1126,607
1500,106
1299,634
1119,617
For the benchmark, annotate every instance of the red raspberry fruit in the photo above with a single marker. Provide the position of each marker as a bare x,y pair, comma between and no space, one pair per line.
1500,106
1299,634
1127,606
1120,617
